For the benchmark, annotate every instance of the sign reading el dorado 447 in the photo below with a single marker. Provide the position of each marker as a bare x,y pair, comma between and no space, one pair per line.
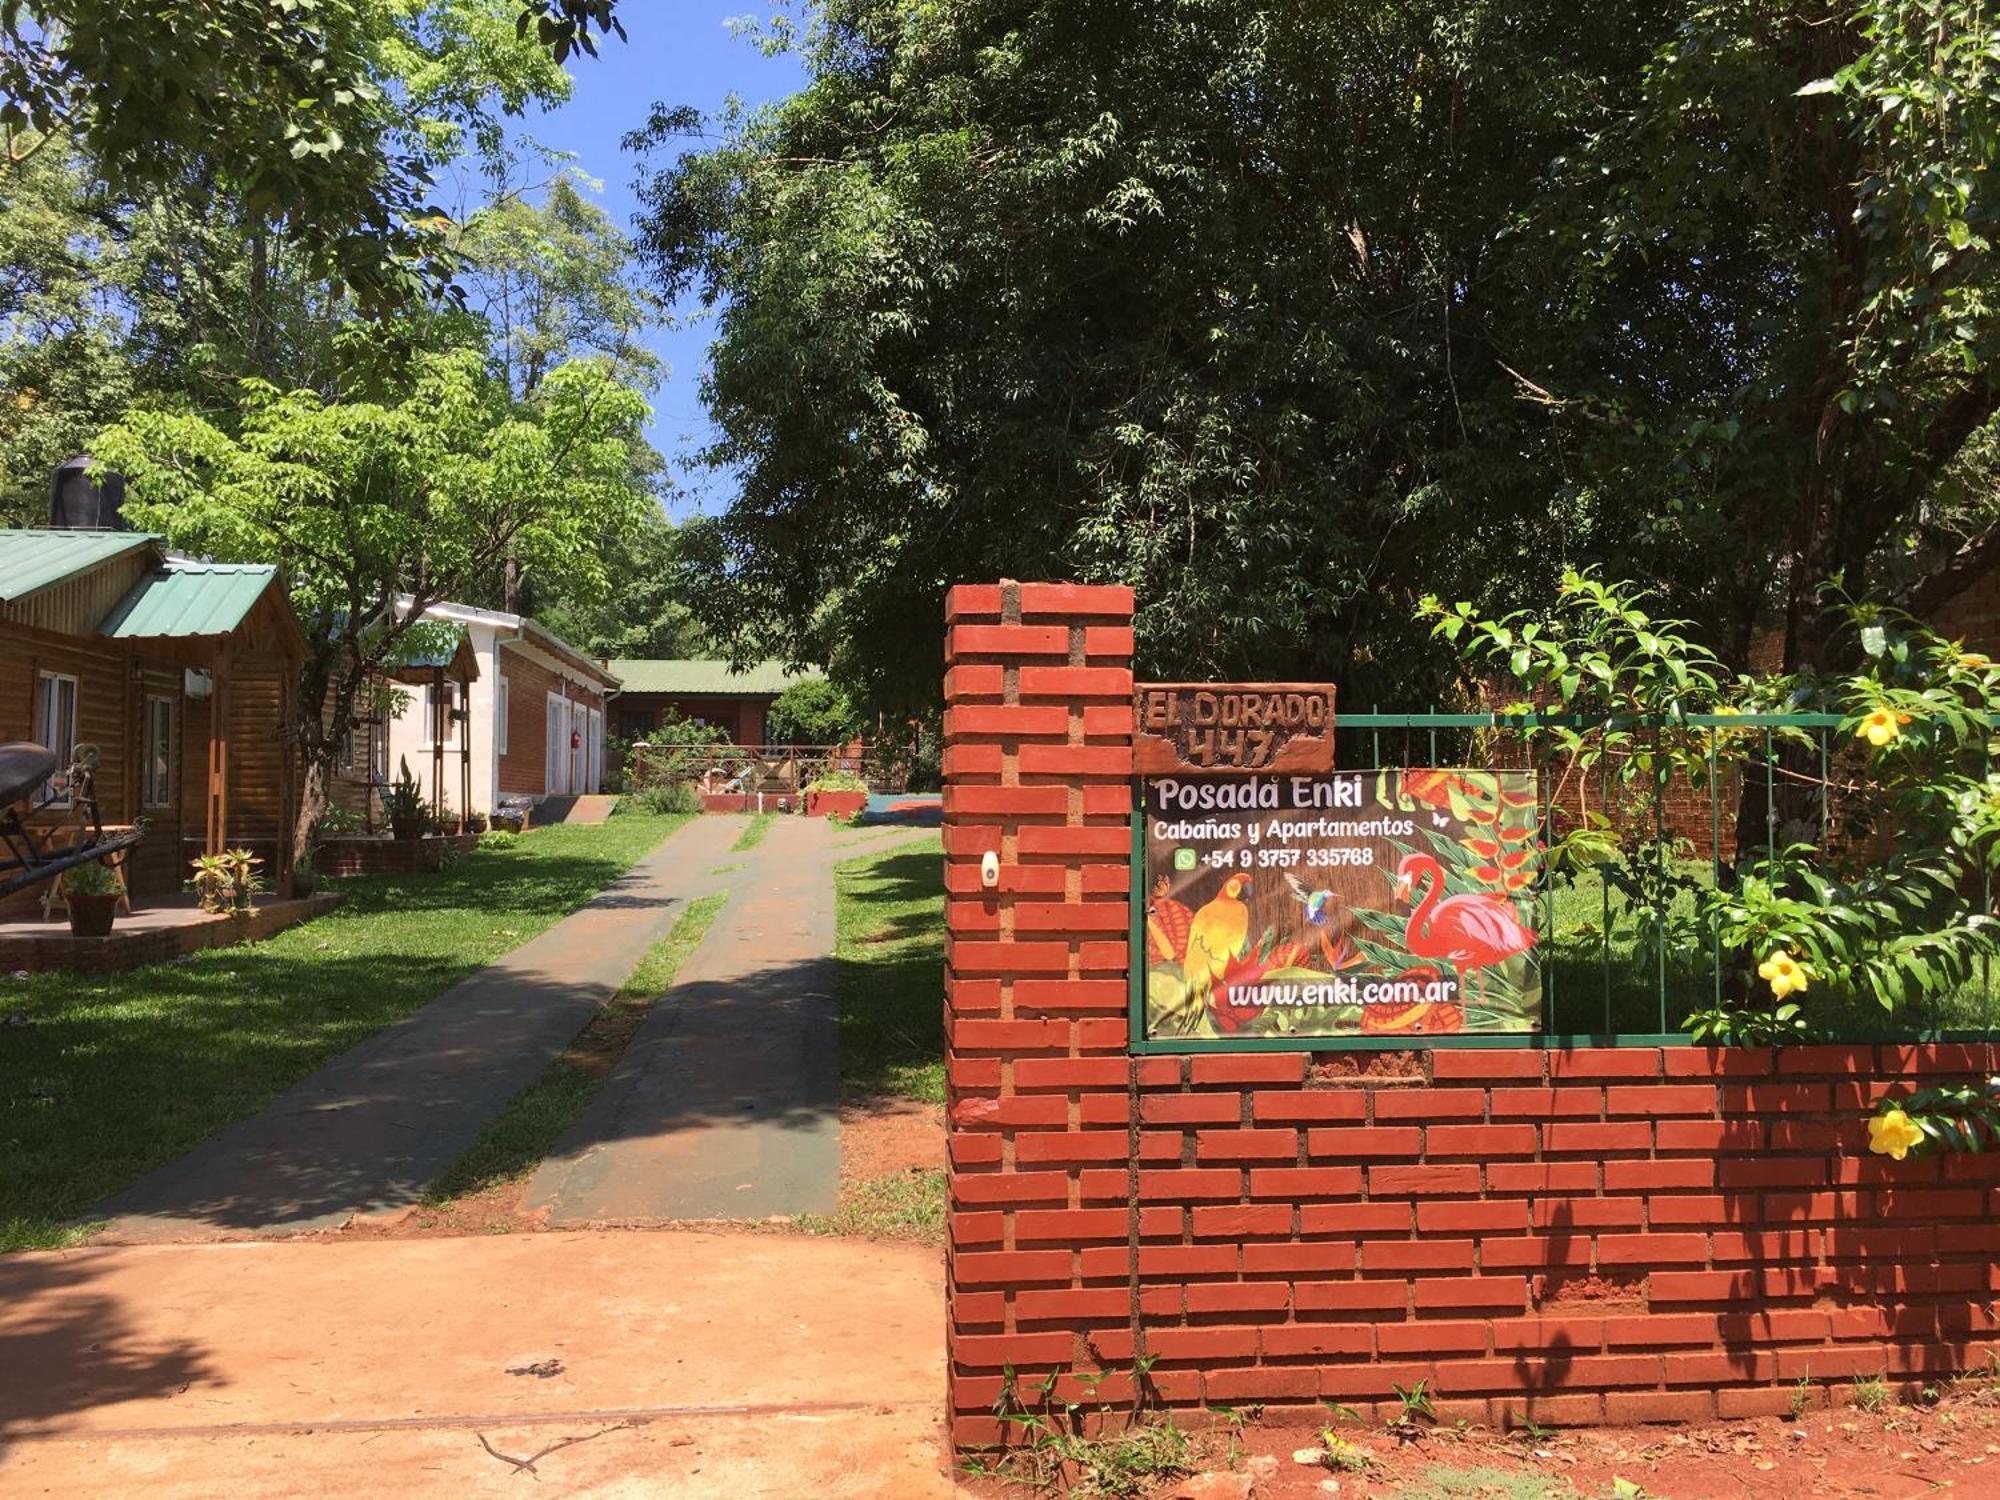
1391,903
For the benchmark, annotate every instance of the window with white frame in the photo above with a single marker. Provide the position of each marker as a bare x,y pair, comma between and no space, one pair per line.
55,727
159,751
500,727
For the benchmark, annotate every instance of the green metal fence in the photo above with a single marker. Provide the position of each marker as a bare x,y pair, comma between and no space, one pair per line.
1615,971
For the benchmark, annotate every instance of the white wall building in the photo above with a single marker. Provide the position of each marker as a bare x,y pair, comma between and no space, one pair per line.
536,715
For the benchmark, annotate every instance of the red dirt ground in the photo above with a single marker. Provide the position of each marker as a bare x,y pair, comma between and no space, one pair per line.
882,1136
1947,1445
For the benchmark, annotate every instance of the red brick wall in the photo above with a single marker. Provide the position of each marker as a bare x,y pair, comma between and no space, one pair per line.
1574,1236
1037,761
524,768
743,718
1972,616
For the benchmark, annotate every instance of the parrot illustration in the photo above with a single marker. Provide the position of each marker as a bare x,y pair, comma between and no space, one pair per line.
1220,929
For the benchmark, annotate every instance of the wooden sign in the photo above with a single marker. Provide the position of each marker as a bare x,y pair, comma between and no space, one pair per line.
1233,726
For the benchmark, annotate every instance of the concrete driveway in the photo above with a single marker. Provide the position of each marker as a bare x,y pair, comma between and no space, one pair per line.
595,1363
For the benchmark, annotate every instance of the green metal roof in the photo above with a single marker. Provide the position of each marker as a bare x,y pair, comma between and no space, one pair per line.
459,662
189,599
32,560
691,678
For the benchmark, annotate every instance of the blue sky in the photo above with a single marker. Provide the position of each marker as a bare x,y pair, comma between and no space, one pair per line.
677,53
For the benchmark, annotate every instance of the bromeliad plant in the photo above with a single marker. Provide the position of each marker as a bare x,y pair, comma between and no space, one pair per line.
243,877
213,881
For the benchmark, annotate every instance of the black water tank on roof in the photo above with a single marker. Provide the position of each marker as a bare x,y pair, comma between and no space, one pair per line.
76,504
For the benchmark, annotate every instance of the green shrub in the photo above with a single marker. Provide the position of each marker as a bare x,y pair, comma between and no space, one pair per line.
335,820
661,797
812,713
677,751
836,781
93,879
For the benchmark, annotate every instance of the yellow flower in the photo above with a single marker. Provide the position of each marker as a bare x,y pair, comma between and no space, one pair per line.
1881,726
1785,974
1893,1133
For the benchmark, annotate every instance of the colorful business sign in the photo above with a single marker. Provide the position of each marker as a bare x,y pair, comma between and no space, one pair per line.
1389,903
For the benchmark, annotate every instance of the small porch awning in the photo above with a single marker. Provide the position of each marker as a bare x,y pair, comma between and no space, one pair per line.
217,617
190,600
458,664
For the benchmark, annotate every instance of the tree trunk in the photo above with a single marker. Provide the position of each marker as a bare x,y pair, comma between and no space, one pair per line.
326,715
263,341
314,796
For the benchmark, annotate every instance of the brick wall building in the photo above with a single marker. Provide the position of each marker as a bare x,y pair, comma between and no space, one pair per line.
1562,1235
536,712
658,692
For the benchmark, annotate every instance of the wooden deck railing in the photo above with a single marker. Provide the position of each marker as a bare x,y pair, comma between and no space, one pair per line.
745,768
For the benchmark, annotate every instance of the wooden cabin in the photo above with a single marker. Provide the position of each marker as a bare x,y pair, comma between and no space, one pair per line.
184,675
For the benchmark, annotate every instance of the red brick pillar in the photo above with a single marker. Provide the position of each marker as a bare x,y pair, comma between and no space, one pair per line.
1037,769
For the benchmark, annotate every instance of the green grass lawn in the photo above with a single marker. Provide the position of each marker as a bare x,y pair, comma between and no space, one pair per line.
903,1206
891,957
753,832
513,1143
890,951
103,1077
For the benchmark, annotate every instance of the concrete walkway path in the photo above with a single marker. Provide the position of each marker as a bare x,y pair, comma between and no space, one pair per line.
585,807
625,1363
367,1132
726,1104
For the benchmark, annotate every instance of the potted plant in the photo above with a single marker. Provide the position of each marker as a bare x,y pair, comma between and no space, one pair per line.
836,794
214,882
403,803
243,877
91,890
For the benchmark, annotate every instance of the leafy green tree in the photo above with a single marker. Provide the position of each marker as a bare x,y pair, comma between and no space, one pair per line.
64,365
1285,317
326,115
553,282
367,502
639,612
1771,272
545,282
812,713
182,289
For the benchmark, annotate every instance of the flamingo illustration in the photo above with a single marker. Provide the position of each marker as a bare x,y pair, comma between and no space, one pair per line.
1474,930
